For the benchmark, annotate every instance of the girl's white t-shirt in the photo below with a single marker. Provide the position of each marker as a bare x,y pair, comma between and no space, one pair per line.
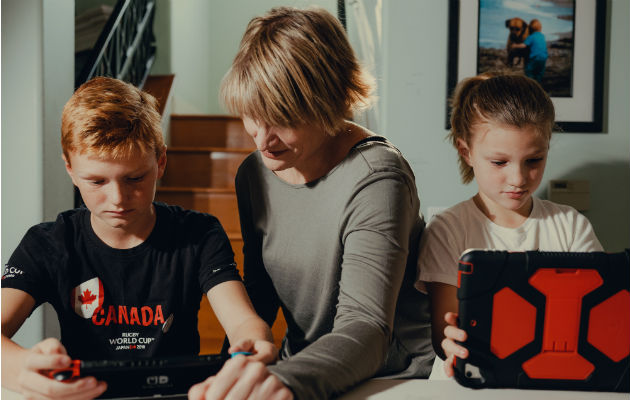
550,227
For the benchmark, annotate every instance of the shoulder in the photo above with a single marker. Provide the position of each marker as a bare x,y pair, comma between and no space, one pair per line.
377,154
62,229
568,223
53,239
455,214
185,222
451,224
549,209
374,161
561,216
252,162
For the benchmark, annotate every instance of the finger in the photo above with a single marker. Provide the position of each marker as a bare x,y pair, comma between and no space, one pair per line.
451,348
38,362
226,377
39,386
450,318
272,389
254,375
264,352
198,391
82,394
50,346
455,333
448,366
242,345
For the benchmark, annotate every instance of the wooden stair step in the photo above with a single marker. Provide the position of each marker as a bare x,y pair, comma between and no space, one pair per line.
220,202
209,131
159,86
202,166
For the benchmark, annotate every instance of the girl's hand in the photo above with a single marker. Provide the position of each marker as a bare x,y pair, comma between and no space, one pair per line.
262,350
450,347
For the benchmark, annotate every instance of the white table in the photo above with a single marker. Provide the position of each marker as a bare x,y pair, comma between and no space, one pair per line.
423,389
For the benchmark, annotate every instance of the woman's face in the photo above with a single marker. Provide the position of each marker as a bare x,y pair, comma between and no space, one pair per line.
301,148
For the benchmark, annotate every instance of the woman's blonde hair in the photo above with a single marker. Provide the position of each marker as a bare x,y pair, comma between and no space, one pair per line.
506,99
295,67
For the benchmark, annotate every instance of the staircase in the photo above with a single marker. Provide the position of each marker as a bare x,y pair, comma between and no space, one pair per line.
203,156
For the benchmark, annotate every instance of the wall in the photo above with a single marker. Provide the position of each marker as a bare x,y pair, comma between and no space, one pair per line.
37,79
203,41
22,125
414,95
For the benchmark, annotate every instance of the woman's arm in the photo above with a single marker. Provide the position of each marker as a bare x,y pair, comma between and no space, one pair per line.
375,231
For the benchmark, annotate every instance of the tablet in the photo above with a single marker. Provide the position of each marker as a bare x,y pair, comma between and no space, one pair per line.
146,377
545,320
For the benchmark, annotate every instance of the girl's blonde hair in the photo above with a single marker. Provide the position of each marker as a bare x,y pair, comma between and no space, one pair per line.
507,99
296,67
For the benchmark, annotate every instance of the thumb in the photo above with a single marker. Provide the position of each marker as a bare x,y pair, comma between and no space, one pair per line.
242,345
38,361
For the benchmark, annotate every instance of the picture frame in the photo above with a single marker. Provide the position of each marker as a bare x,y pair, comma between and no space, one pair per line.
581,110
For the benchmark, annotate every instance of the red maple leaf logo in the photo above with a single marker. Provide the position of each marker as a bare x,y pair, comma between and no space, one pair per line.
87,297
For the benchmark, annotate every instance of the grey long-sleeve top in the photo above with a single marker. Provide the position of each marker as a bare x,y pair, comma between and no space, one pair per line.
333,254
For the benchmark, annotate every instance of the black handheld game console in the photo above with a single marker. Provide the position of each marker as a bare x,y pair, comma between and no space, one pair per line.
549,320
148,377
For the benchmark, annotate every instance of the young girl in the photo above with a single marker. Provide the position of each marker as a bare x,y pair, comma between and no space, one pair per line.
501,127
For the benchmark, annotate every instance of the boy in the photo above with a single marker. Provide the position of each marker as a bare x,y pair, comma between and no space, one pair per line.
124,274
536,61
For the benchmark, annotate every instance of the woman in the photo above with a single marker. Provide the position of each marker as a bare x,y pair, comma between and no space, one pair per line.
329,215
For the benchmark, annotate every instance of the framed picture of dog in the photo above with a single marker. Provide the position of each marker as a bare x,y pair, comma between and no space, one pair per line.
559,43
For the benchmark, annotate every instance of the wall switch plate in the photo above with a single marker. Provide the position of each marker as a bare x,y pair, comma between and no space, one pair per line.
575,193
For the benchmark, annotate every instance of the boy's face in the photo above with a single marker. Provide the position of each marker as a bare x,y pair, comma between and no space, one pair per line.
118,193
509,163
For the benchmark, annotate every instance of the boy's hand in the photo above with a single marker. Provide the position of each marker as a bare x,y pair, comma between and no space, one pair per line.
47,355
262,350
452,349
241,378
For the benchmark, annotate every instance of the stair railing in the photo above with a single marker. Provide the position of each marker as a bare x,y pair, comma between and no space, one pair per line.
126,47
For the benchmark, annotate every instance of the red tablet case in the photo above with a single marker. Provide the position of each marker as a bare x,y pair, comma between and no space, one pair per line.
547,320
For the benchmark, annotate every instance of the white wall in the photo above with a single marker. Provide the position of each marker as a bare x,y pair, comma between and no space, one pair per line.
37,79
22,127
414,94
204,39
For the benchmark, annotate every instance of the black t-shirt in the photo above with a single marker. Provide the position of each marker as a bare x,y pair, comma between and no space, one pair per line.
118,304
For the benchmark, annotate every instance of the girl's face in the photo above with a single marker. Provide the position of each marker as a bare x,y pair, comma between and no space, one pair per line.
508,163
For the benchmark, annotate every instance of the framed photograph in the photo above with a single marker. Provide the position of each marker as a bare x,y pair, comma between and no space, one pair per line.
560,43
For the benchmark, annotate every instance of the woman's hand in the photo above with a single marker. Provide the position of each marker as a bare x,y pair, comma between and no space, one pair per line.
47,355
262,350
241,378
452,349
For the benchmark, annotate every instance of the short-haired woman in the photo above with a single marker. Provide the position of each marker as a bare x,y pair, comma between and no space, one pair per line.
329,215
